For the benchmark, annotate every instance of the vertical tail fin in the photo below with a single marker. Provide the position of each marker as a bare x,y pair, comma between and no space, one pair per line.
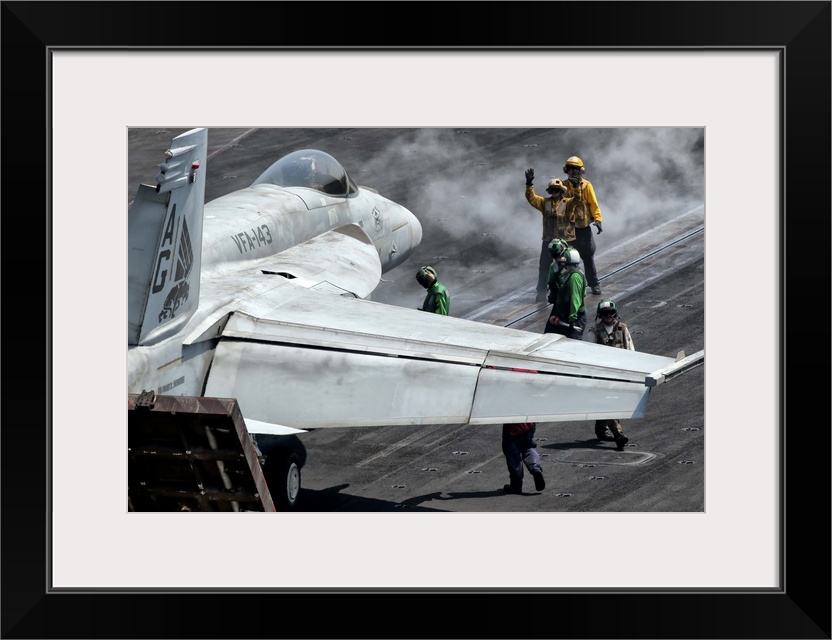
165,242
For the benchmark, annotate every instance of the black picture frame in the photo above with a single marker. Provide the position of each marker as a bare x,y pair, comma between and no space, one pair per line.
800,31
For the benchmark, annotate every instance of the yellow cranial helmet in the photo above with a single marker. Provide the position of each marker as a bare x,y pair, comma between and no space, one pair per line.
574,162
555,183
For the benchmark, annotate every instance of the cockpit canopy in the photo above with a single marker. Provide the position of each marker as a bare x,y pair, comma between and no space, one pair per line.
309,168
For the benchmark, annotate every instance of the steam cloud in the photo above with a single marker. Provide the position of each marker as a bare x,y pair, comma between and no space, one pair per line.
467,188
642,177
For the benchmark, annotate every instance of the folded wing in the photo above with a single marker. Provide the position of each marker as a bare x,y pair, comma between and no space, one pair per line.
308,359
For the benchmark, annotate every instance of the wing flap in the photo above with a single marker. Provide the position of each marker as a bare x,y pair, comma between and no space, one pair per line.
316,388
520,396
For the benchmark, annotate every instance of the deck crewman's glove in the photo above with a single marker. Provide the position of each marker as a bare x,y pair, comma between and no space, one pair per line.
529,177
598,226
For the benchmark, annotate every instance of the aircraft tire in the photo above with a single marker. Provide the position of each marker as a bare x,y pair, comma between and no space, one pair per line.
283,477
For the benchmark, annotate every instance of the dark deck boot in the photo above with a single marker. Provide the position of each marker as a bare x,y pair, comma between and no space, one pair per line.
602,433
618,435
514,487
539,482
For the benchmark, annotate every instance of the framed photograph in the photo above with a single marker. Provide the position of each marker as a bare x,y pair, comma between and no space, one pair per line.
78,76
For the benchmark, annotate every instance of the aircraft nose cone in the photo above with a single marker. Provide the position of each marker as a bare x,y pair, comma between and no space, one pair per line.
415,230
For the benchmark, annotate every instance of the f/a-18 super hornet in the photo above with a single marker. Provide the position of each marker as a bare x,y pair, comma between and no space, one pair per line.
262,297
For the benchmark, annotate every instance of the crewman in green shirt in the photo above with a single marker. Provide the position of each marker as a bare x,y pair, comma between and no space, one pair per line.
568,316
437,299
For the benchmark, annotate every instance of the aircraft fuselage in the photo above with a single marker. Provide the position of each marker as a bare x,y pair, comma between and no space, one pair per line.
242,233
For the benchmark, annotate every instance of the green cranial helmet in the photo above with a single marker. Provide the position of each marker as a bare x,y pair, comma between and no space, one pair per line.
572,257
606,306
426,276
557,247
